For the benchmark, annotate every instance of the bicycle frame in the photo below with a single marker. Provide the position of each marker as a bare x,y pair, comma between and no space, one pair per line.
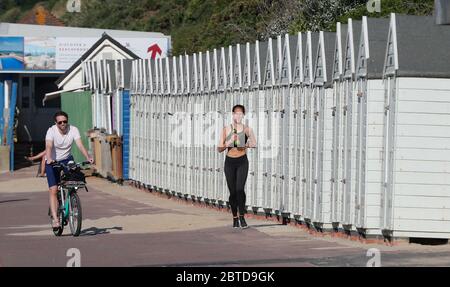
65,196
65,199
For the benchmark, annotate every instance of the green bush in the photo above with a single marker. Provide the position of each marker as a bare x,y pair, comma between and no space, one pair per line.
11,16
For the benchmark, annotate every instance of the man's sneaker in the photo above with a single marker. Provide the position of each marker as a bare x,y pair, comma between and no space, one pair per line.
243,223
235,222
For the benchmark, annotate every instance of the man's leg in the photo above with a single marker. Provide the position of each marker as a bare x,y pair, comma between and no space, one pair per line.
53,200
52,179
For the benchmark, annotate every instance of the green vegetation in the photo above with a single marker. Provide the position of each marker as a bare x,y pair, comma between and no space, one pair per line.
198,25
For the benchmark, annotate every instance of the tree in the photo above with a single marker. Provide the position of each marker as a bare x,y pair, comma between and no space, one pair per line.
316,15
278,16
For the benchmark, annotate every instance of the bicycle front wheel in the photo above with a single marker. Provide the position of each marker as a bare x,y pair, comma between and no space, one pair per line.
75,215
58,231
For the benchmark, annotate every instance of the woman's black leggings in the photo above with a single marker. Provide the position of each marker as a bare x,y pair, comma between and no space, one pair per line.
236,171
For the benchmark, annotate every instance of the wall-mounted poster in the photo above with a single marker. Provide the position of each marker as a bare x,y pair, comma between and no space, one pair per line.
40,53
69,50
60,53
11,53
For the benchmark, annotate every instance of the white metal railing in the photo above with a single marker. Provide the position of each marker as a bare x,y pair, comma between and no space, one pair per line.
309,113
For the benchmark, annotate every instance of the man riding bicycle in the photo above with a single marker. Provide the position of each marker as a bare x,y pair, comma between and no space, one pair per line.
58,145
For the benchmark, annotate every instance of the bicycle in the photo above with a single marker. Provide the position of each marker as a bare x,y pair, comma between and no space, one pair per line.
69,205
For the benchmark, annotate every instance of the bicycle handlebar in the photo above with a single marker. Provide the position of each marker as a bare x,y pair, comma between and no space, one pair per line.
63,165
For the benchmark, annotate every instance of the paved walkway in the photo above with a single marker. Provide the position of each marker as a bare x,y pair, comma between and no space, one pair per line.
124,226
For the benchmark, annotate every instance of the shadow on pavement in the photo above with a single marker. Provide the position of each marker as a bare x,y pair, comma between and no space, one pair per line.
97,231
265,225
13,200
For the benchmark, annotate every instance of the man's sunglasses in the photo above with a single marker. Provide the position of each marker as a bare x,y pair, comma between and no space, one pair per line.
62,122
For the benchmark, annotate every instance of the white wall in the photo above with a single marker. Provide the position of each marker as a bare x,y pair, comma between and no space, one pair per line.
422,157
374,157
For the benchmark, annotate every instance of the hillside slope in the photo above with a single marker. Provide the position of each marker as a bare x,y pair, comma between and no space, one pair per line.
197,25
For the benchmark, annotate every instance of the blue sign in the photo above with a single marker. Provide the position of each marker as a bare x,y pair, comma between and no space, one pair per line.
11,53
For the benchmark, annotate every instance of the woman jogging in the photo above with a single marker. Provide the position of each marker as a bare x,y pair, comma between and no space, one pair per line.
236,138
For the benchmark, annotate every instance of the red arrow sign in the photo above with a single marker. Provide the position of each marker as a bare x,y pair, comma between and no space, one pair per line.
154,49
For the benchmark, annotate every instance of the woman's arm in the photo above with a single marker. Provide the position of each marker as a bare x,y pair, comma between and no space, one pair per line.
251,142
223,145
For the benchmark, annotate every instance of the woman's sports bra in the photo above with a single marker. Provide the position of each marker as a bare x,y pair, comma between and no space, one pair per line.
242,138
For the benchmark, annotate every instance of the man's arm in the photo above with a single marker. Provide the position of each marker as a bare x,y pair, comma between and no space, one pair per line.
48,150
83,150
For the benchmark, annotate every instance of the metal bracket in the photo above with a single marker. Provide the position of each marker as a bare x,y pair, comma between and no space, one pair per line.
316,115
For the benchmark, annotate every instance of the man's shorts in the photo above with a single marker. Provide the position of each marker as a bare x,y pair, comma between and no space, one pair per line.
53,174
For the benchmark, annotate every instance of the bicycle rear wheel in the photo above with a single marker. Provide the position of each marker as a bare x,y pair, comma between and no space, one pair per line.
75,215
